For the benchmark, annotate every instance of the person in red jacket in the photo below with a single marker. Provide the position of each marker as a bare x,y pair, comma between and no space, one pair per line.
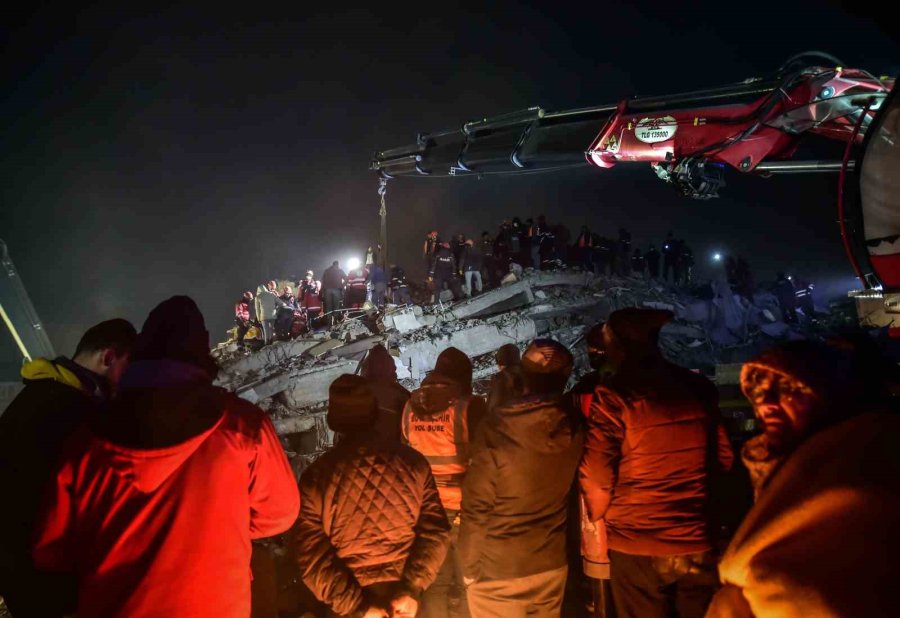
655,438
242,317
155,502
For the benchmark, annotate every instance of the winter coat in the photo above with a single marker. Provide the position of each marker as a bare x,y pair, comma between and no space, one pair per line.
370,513
242,311
471,259
822,535
377,275
58,396
267,303
155,503
444,264
655,436
515,497
505,385
333,278
439,421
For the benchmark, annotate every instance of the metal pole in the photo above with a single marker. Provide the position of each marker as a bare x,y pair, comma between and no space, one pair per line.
382,212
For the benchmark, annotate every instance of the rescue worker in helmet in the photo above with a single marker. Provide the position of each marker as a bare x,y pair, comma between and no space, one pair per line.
443,270
242,317
399,288
309,296
438,421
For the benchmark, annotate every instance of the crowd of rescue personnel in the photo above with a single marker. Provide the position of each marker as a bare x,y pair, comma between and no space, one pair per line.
134,487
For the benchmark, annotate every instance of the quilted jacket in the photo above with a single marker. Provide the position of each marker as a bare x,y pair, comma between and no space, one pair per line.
370,513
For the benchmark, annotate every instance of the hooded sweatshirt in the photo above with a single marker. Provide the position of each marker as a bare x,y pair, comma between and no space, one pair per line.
515,495
380,372
155,503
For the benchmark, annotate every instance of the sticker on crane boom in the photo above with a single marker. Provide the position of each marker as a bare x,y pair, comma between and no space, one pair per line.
655,130
612,144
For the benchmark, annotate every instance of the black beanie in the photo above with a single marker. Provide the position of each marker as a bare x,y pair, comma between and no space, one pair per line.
455,365
175,330
351,405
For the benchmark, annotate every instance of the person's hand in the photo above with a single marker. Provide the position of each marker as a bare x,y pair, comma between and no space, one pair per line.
375,612
404,606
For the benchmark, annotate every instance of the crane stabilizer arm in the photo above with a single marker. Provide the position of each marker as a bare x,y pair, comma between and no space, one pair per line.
18,314
752,126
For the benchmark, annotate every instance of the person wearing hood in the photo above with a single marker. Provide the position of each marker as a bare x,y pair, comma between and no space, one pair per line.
822,535
439,420
655,439
267,305
514,510
507,383
59,395
372,533
380,373
154,504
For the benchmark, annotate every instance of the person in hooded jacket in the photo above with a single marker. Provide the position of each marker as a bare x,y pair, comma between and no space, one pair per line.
372,533
470,263
443,270
59,395
380,372
515,498
267,305
242,317
154,504
439,420
820,538
507,383
655,439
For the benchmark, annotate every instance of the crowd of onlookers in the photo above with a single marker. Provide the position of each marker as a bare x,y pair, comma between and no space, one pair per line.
137,487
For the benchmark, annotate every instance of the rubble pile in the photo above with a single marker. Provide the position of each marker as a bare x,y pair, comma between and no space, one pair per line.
290,379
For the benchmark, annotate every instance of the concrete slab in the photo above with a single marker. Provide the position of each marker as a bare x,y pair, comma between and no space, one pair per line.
420,356
270,355
362,345
324,346
294,424
303,387
493,302
551,278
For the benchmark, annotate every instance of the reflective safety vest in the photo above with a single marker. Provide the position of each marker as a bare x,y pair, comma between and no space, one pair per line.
443,438
357,280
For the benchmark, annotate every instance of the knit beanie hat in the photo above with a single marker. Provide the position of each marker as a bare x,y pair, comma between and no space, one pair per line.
546,356
638,327
508,355
351,405
175,330
455,365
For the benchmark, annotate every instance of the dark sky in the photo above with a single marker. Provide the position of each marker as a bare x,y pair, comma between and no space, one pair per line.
204,150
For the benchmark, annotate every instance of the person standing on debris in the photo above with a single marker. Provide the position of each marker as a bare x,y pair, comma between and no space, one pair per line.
380,372
655,438
507,383
470,264
155,503
501,250
513,535
372,533
379,281
517,242
670,257
819,539
536,233
309,296
638,264
288,298
456,246
602,255
653,262
242,317
438,421
429,248
686,263
333,280
584,246
443,270
787,299
267,304
399,288
59,395
488,265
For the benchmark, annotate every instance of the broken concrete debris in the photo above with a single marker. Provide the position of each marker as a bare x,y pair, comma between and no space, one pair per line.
291,379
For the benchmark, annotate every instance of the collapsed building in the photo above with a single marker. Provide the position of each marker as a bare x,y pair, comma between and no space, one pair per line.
713,330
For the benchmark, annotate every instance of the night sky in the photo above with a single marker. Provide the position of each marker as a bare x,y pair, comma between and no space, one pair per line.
205,150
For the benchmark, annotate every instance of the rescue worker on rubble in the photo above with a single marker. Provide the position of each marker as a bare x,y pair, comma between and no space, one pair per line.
488,265
655,437
288,298
380,372
372,533
378,280
470,263
686,263
399,288
602,255
512,540
787,299
58,396
653,262
670,257
820,538
501,250
285,313
242,317
506,384
439,420
443,270
333,280
267,305
638,264
536,233
623,253
357,286
429,248
584,246
309,296
155,503
456,246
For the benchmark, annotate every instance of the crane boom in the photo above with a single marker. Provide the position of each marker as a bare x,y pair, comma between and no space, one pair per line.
19,315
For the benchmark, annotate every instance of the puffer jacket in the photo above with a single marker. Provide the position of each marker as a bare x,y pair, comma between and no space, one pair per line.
515,497
370,513
654,437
